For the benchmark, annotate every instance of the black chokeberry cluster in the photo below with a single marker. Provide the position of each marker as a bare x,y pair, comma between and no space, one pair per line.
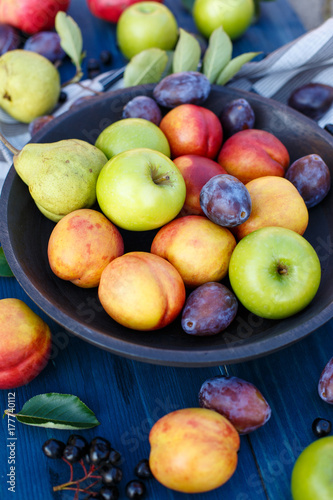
100,464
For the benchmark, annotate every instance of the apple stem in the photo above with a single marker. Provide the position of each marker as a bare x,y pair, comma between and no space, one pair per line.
162,178
282,269
9,145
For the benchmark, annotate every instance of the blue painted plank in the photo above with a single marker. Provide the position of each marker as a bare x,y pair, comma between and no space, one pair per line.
125,401
121,392
288,379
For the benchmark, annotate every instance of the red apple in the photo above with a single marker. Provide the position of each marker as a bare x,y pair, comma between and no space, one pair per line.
110,10
253,153
192,130
31,16
196,170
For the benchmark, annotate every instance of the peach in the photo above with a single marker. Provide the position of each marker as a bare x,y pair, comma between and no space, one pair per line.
193,450
196,170
81,245
141,291
192,129
275,202
253,153
198,248
25,343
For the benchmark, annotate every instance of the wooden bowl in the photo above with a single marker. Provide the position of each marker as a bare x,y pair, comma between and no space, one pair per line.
25,232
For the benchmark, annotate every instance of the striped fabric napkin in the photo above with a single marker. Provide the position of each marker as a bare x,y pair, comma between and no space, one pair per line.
309,58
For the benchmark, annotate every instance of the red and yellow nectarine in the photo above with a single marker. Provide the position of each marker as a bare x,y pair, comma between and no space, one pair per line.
25,343
193,450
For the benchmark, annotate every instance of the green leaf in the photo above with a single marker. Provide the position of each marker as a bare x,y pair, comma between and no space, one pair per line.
234,66
5,271
187,53
217,55
168,67
145,67
57,411
70,37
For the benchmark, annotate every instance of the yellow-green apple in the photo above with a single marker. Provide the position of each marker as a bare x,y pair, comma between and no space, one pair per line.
140,189
198,248
25,343
274,272
275,202
145,25
31,16
81,245
234,16
311,477
141,291
131,133
192,129
196,170
193,450
110,10
253,153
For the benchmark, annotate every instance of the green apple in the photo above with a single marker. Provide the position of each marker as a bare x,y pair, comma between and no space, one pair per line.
235,16
145,25
312,475
130,133
274,272
140,189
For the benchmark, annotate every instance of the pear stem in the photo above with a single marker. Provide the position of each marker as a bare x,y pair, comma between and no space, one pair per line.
9,145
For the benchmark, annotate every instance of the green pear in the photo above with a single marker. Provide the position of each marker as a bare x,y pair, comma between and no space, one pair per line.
29,85
61,176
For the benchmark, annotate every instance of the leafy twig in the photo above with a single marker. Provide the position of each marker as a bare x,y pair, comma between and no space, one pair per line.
71,42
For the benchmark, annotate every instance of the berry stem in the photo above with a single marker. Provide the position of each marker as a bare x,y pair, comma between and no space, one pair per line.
71,469
71,482
83,467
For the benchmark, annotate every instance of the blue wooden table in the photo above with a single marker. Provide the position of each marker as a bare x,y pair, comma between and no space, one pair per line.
128,396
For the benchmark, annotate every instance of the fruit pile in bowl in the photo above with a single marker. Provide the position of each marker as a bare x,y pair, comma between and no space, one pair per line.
206,248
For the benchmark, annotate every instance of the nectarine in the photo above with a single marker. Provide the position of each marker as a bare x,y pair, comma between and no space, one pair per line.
193,450
25,343
141,291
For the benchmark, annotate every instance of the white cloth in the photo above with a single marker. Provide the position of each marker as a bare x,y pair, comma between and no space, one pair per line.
309,58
